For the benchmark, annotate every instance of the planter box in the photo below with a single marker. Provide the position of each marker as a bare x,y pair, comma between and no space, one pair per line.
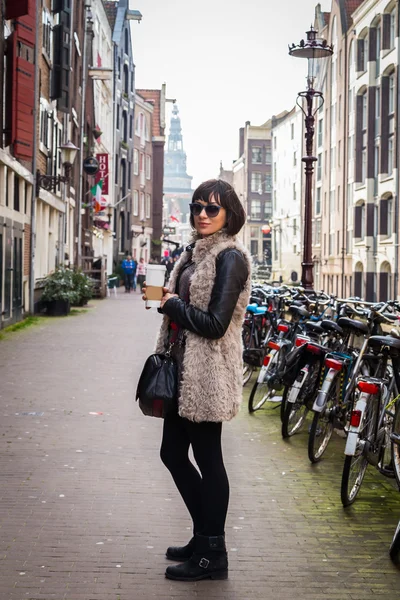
58,308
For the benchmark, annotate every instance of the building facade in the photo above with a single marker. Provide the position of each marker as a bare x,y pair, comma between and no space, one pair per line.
156,100
357,176
17,152
120,15
287,171
177,183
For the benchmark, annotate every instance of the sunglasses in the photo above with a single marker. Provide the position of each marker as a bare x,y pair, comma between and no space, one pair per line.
212,210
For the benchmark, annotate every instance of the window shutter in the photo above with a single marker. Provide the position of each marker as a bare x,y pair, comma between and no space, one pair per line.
360,55
359,111
61,63
370,219
56,72
372,44
385,31
357,221
383,286
358,275
370,287
383,218
384,124
16,8
9,95
371,131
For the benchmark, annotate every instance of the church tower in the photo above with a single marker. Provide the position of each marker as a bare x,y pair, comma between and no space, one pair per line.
177,183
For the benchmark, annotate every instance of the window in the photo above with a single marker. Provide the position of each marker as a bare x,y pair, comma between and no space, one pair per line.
148,167
135,203
274,143
294,227
268,183
377,111
275,173
118,115
47,42
131,127
392,101
294,192
392,34
44,126
148,206
125,126
256,155
378,51
318,202
391,94
119,67
292,131
129,175
390,155
294,159
319,167
126,80
362,54
268,156
135,162
385,217
256,182
16,193
126,41
359,221
318,232
255,212
142,207
320,132
116,168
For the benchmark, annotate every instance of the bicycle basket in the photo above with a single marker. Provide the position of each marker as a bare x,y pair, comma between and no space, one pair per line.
253,357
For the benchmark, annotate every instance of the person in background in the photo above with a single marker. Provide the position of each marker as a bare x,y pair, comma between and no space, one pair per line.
141,273
169,266
129,267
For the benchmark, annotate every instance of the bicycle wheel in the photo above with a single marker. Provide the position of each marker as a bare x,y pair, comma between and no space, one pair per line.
322,425
262,392
394,550
296,412
395,445
354,467
248,342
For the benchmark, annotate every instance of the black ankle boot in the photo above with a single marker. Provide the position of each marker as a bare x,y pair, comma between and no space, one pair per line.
208,561
180,552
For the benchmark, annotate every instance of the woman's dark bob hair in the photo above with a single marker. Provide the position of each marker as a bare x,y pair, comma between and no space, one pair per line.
225,195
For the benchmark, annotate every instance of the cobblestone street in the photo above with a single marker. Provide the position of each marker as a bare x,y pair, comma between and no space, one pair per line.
87,509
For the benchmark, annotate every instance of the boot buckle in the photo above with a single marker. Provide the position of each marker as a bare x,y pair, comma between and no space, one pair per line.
204,563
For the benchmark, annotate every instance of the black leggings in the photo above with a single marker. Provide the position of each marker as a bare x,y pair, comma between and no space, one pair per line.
207,495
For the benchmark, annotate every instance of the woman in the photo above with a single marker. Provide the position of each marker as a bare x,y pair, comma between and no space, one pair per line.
204,304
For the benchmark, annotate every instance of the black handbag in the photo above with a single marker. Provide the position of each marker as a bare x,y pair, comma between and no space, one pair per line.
157,390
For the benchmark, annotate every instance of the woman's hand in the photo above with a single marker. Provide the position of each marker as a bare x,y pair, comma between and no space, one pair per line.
167,296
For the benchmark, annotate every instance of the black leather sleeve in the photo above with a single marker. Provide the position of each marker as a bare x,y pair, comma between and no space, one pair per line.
230,279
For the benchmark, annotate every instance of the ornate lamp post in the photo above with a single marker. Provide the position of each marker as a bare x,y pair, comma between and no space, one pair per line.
51,182
313,49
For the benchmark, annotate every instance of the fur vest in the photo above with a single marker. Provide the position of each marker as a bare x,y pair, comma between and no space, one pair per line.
211,386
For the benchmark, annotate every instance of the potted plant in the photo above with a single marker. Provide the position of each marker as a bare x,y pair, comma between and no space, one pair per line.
59,292
83,288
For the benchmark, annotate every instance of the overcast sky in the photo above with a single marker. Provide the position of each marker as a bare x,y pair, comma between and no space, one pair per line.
225,62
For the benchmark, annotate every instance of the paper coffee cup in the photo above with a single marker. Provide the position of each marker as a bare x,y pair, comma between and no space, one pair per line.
155,279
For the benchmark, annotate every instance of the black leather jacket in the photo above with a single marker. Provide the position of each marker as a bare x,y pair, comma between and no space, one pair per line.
230,279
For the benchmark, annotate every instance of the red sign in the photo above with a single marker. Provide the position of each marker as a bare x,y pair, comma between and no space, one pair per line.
102,173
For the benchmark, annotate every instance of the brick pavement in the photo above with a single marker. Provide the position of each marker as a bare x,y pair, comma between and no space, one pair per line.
87,509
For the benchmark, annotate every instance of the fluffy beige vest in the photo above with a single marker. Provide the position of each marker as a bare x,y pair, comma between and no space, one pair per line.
211,388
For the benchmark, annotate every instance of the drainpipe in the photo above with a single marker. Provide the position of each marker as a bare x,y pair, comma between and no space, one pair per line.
396,204
34,169
345,165
87,7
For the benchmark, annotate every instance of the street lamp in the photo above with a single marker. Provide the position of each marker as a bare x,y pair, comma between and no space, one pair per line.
313,49
51,182
136,234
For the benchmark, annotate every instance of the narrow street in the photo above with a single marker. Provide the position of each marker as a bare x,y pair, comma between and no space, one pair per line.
87,509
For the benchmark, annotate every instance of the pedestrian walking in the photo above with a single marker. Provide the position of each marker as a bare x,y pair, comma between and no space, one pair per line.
205,302
129,268
169,266
141,273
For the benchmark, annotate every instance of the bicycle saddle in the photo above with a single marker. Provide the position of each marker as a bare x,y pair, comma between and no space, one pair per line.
355,326
331,326
378,341
256,310
299,310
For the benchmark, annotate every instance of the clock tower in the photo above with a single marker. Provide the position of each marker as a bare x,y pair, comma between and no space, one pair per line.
177,183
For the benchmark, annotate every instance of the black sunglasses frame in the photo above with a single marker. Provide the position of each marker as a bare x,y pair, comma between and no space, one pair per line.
196,209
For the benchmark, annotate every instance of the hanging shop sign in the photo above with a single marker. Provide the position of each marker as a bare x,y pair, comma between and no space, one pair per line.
102,173
91,165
